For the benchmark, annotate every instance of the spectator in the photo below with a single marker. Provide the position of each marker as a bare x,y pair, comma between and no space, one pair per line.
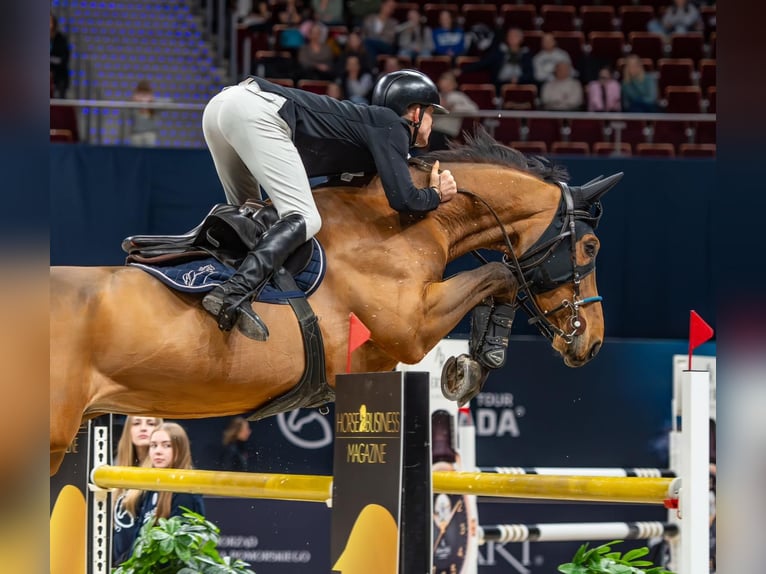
358,10
639,89
508,61
315,57
680,17
604,94
379,30
334,90
143,129
168,448
133,445
259,19
354,47
328,12
447,127
390,64
449,37
356,81
59,55
562,92
291,13
235,455
413,37
544,62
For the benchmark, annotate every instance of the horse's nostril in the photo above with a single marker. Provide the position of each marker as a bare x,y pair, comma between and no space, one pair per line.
595,349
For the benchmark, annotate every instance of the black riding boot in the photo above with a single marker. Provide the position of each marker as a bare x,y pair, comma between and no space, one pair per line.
490,328
230,302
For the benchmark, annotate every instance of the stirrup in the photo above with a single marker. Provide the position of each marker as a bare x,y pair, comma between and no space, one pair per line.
243,316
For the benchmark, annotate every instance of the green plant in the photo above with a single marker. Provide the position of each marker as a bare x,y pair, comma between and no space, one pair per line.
180,545
601,560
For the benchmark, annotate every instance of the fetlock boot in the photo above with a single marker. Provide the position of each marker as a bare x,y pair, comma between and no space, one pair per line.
490,328
230,302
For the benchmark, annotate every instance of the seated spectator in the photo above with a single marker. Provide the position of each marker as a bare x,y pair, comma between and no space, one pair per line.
679,18
639,89
379,30
448,37
291,12
143,128
544,62
259,19
59,55
508,61
328,12
604,94
562,92
356,82
354,47
446,128
315,57
390,64
414,37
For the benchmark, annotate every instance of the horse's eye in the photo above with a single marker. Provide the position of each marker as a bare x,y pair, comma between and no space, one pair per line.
591,248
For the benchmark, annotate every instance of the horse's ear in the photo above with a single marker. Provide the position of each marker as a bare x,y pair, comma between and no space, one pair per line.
587,194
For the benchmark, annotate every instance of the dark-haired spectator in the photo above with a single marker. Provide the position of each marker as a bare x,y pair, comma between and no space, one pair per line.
508,61
562,92
354,46
259,19
234,456
144,127
413,37
59,54
315,57
291,12
447,127
544,62
639,89
680,17
449,36
356,81
379,30
390,64
604,94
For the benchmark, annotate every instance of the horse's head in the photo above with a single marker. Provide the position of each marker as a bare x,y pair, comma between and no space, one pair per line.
558,280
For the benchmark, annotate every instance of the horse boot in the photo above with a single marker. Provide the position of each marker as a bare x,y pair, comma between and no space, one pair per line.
490,328
230,302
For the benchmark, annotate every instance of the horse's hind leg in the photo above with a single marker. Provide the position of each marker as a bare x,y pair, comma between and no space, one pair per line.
63,431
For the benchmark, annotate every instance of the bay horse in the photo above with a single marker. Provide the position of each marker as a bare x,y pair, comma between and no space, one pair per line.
122,342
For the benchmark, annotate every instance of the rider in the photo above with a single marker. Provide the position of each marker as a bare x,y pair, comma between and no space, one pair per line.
262,134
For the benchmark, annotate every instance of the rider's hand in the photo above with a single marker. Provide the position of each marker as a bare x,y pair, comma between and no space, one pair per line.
444,182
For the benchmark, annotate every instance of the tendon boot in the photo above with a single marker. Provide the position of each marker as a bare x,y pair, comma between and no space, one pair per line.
490,328
230,303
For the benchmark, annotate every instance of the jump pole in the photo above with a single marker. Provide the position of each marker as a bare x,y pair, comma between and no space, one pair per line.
308,488
577,531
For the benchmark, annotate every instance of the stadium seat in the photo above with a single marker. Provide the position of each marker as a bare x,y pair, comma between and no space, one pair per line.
479,14
697,150
278,64
655,150
708,14
630,131
432,10
530,147
585,130
683,100
472,77
523,16
671,131
635,18
674,73
288,82
597,19
434,66
711,96
400,12
607,47
519,96
689,45
547,130
707,74
647,45
313,86
482,94
609,148
533,40
570,148
505,129
573,43
557,18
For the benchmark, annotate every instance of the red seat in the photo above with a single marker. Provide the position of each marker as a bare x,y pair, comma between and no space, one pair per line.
313,86
530,147
655,150
683,100
63,124
607,47
543,129
533,40
472,77
519,96
506,129
707,77
635,18
482,94
432,11
647,45
608,148
630,131
674,73
705,132
711,96
573,43
713,37
479,14
697,150
258,41
278,64
434,66
521,16
690,45
61,136
288,82
585,130
671,131
570,148
400,12
557,18
597,19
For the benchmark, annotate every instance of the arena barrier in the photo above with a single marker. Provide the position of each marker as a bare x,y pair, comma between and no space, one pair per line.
575,531
307,488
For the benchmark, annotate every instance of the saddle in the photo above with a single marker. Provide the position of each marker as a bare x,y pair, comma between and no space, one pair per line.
228,233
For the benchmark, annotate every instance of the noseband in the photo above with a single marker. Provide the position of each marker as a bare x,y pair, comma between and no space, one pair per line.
544,266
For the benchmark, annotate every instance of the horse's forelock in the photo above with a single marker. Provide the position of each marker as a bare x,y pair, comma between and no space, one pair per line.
481,147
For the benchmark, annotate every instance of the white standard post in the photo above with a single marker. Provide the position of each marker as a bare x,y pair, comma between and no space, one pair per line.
694,498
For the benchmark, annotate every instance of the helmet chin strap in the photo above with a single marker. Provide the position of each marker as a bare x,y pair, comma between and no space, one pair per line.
416,125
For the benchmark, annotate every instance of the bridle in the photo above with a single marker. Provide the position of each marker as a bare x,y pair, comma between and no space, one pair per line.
544,266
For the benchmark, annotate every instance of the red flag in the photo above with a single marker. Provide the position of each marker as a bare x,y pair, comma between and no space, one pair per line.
358,334
699,332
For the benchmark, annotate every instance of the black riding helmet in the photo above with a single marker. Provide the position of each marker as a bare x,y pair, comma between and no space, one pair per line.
403,88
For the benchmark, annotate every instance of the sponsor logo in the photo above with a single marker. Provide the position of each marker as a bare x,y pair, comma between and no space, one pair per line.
305,428
497,415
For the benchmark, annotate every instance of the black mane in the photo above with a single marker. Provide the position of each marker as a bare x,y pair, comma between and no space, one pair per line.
483,148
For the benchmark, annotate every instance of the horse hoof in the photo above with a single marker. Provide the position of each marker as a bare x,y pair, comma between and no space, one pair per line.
462,379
